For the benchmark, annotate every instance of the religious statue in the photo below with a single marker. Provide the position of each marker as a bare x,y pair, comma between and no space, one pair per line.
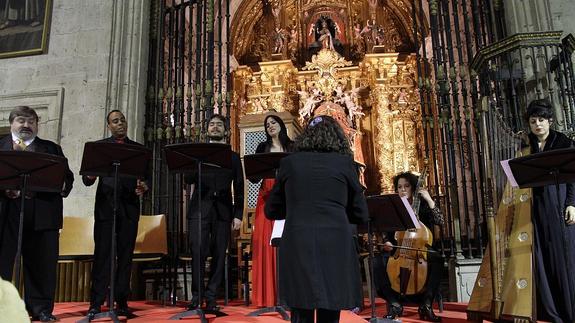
325,36
309,102
326,31
279,40
379,35
368,33
292,44
358,42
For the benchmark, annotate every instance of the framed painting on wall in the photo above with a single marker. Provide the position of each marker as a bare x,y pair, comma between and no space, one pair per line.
24,27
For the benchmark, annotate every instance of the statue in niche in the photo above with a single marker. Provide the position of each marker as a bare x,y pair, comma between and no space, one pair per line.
325,37
379,35
280,38
368,33
292,44
325,31
358,42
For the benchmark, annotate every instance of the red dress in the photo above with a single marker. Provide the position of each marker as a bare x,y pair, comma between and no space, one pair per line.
263,254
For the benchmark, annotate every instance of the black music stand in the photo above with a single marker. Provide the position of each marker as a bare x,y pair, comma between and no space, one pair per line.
552,167
190,157
109,159
30,171
261,166
388,212
545,168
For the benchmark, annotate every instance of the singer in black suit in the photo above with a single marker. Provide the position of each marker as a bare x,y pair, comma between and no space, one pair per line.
318,193
219,215
127,216
42,219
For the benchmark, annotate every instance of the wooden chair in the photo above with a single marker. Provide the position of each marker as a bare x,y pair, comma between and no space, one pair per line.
76,239
151,242
76,251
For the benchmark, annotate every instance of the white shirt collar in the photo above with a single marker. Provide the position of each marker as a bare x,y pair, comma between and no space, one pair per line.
27,142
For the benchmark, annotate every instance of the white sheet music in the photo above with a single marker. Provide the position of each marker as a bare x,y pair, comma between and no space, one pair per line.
278,229
509,173
410,211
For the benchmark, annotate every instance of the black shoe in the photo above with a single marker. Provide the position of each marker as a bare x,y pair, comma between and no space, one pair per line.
211,305
194,305
46,317
395,310
92,311
426,314
124,311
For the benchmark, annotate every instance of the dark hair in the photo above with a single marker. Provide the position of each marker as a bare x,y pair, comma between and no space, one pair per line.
22,111
221,117
408,176
323,134
285,141
110,113
540,108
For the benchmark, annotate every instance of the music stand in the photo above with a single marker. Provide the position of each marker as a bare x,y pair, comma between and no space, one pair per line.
38,172
188,157
110,159
552,167
261,166
535,169
388,212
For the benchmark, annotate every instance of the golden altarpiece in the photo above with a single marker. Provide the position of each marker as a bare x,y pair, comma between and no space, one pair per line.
352,60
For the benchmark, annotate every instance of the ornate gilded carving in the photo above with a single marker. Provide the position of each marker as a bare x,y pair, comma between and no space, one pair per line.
290,28
397,115
375,101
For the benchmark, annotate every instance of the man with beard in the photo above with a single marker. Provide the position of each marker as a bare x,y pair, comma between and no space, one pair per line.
43,216
218,213
127,217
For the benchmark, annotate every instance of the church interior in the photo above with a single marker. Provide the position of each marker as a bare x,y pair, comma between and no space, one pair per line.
439,87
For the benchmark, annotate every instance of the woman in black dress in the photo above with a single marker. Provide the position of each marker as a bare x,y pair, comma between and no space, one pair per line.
553,218
318,193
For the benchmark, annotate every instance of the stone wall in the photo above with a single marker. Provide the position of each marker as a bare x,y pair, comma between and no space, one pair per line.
96,62
540,15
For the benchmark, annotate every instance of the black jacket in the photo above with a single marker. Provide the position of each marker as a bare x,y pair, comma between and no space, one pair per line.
216,192
47,207
103,209
319,195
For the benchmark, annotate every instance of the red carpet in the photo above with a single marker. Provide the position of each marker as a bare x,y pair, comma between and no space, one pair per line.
155,312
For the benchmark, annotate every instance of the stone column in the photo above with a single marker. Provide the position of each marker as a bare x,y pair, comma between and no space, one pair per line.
128,63
527,16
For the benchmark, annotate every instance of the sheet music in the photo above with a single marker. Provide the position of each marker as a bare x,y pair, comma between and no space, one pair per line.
509,173
278,230
410,211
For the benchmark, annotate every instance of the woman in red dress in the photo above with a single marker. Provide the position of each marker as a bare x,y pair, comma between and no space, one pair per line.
263,254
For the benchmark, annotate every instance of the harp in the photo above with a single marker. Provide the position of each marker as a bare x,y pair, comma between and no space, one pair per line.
504,288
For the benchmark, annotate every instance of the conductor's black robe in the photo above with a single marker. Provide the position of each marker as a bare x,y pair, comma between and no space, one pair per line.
319,195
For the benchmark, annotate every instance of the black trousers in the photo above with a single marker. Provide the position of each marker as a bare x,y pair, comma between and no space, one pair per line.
215,236
126,231
39,258
300,315
383,284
